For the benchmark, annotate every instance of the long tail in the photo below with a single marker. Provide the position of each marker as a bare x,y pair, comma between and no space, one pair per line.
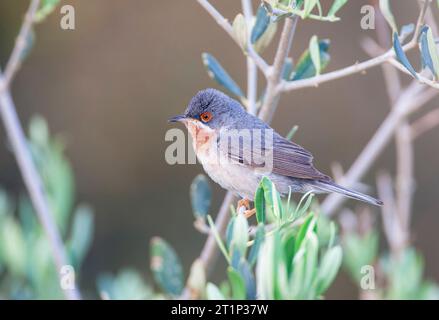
330,186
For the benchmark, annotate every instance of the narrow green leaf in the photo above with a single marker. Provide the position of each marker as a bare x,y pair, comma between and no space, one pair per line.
201,195
305,66
272,198
292,132
166,267
308,7
432,52
307,227
288,69
13,246
46,8
237,283
400,54
81,234
311,254
314,50
218,239
336,6
216,72
246,273
240,234
197,278
260,204
328,269
388,15
259,239
240,31
261,24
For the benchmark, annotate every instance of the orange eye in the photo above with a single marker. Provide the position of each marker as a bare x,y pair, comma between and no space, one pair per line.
206,116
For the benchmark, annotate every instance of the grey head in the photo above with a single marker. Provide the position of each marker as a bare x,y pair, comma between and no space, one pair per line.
216,110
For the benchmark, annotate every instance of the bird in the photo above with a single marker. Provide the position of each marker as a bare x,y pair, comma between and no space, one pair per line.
213,118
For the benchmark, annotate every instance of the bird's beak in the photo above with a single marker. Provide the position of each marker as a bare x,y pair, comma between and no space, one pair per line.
179,118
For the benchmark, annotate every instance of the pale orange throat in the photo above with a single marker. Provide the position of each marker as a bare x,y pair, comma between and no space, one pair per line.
201,136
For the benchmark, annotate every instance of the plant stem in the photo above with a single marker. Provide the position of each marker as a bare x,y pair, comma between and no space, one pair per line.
407,103
18,142
274,78
252,71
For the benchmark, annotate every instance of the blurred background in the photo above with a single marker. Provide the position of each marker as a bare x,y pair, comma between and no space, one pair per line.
109,86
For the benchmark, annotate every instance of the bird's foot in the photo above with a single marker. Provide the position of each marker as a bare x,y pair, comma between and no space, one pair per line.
249,213
245,203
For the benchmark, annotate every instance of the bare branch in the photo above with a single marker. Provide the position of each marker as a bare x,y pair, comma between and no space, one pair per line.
18,142
275,75
223,22
14,61
338,74
424,124
408,102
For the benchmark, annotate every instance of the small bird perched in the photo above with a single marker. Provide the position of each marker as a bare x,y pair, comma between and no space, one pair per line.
213,119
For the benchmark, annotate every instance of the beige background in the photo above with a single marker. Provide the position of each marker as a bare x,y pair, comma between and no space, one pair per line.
110,85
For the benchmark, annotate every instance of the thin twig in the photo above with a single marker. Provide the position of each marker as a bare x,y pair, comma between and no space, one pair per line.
275,75
407,103
223,22
424,124
20,44
18,142
341,73
252,72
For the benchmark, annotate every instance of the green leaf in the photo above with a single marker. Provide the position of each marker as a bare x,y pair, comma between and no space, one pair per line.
237,283
216,72
213,293
218,239
81,234
388,15
259,239
305,66
272,198
13,246
314,50
265,270
429,50
166,267
126,285
311,254
336,6
240,31
400,54
201,196
288,69
307,227
308,7
292,132
197,278
359,250
260,204
46,8
246,273
261,24
328,269
240,234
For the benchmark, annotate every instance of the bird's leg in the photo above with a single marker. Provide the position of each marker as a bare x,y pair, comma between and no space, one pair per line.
243,203
246,204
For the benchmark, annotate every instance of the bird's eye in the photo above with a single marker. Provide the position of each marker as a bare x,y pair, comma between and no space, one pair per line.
206,116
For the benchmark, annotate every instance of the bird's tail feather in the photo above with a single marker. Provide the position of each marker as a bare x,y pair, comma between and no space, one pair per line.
330,186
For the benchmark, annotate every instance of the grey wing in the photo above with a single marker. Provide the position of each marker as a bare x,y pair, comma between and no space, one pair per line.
291,160
288,159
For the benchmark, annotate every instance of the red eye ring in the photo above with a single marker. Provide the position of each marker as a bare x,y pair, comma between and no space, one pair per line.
206,116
